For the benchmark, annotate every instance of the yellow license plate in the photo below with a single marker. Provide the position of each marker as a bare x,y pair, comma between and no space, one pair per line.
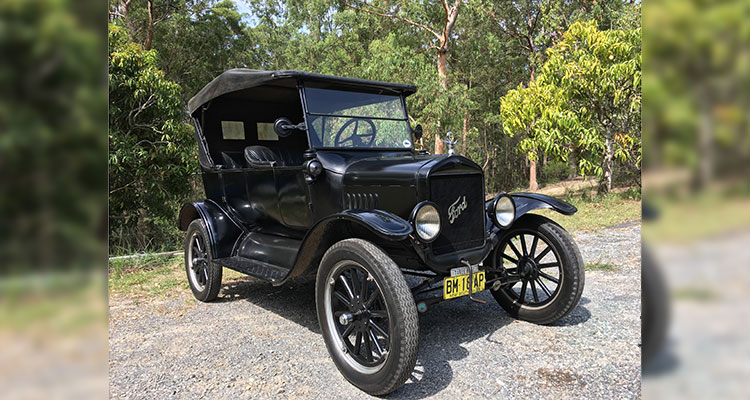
457,286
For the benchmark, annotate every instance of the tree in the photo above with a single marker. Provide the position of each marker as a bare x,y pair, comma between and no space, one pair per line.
441,35
588,95
51,146
151,155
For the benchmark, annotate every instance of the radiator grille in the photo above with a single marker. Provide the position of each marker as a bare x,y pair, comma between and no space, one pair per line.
467,229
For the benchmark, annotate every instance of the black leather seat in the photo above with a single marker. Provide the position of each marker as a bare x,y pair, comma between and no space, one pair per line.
232,160
264,156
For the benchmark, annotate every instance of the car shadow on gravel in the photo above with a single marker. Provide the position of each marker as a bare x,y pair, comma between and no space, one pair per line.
444,329
579,315
294,301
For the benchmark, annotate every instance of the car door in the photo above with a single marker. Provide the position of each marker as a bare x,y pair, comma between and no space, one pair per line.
293,196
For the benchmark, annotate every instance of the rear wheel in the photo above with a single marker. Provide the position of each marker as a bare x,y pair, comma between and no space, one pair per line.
367,315
203,274
543,269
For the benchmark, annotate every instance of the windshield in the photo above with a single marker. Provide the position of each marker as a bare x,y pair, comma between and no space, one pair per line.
341,119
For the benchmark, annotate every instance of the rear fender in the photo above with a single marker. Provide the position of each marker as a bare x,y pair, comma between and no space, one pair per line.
223,231
366,224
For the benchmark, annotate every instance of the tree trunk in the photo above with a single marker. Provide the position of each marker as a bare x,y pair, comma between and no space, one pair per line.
605,183
150,28
533,186
442,66
465,135
705,145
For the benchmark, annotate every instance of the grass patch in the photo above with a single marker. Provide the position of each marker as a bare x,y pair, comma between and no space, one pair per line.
599,266
698,216
53,302
152,275
695,294
595,212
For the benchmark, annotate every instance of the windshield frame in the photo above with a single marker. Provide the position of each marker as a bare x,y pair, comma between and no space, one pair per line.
310,133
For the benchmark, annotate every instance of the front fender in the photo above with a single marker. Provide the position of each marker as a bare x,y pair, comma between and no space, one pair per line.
526,202
223,231
343,225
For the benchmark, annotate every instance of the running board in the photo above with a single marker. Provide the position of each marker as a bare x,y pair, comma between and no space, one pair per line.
257,269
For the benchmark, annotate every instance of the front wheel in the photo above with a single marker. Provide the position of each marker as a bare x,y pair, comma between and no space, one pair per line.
542,269
367,315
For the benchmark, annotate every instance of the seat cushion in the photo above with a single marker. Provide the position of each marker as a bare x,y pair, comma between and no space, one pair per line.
231,160
262,156
280,157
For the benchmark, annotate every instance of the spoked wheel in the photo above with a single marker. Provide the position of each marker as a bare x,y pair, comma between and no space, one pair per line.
543,270
203,275
359,315
367,315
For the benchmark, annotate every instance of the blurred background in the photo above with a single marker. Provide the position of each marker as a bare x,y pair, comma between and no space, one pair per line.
54,57
696,181
53,158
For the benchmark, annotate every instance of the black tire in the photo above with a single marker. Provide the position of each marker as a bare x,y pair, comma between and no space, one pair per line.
654,308
355,257
203,274
570,271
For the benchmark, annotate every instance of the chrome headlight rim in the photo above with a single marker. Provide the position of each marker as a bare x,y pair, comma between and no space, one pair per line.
415,223
493,211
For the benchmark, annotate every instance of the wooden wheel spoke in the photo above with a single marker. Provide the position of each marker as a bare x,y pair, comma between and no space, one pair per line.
347,331
542,254
544,287
515,250
533,246
342,298
549,277
522,295
509,258
374,339
379,329
348,288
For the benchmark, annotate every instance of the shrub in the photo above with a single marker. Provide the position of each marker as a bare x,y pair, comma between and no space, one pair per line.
555,171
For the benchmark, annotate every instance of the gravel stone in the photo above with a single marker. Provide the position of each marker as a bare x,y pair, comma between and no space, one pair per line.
261,341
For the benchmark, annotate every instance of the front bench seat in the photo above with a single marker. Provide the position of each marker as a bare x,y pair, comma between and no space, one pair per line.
261,156
264,156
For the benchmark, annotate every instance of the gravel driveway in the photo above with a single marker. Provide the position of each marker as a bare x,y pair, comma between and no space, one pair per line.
260,341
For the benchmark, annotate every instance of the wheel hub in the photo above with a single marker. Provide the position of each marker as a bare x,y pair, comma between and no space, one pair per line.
528,268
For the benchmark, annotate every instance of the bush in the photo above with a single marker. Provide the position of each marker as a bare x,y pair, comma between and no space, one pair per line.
555,171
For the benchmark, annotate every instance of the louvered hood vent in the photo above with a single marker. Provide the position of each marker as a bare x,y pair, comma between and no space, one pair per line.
362,201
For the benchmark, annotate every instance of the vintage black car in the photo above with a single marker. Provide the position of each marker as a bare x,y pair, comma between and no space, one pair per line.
309,173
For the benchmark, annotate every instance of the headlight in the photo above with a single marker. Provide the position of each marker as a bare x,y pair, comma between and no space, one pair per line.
427,221
505,211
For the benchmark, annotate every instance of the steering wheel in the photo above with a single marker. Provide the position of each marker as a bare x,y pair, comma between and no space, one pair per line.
356,139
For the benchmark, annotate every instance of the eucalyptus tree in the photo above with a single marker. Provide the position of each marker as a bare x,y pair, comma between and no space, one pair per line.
425,17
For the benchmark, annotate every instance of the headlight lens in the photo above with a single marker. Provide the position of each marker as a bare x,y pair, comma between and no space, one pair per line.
427,222
505,211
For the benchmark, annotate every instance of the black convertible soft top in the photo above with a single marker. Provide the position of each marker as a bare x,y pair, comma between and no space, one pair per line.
239,79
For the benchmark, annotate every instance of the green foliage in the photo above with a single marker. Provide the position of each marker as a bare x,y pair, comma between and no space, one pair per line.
586,101
697,56
151,153
51,146
494,47
555,171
